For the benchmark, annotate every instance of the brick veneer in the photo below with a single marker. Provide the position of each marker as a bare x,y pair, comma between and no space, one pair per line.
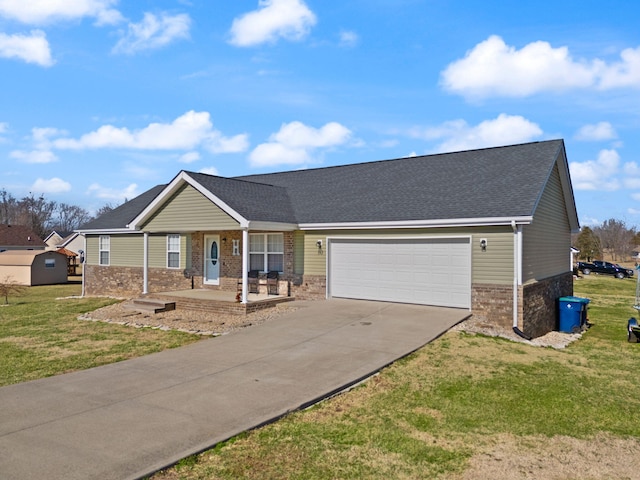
538,312
128,281
541,303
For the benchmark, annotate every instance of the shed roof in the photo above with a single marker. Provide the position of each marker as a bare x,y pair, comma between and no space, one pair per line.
23,257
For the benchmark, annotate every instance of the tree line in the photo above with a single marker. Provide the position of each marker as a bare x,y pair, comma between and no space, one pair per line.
42,215
612,236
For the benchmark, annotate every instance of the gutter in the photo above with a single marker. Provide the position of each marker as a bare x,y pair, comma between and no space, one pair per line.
517,262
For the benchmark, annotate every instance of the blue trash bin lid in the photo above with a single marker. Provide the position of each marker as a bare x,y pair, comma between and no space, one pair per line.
575,299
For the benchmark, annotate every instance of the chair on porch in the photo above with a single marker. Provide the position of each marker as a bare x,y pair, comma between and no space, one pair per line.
253,281
272,283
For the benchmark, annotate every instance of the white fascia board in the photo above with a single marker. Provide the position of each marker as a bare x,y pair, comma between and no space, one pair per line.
457,222
172,188
108,231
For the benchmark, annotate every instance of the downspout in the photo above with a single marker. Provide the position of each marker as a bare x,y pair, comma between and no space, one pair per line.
145,266
245,264
517,280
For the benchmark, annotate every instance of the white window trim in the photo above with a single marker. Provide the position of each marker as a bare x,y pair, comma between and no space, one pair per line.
107,239
169,251
265,253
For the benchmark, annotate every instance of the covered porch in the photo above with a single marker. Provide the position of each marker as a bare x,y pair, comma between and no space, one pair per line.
221,301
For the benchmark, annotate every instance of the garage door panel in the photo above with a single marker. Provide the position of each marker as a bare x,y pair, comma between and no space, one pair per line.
424,271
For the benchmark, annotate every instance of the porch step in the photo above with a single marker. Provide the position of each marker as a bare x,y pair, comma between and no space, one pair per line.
150,305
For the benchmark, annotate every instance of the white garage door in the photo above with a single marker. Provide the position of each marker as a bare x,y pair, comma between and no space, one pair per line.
424,271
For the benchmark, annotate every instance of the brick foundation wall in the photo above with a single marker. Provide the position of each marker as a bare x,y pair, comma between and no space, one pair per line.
128,281
493,303
308,287
538,309
540,306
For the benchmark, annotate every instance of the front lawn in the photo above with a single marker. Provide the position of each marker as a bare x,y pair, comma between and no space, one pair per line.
40,335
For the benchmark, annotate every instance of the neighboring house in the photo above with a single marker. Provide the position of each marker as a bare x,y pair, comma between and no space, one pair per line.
33,267
19,237
486,230
55,239
69,243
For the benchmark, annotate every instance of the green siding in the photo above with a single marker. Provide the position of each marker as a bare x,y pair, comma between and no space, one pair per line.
494,266
547,241
91,254
128,250
189,210
298,252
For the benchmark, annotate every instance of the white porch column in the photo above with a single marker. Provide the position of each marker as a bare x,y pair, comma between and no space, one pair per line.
145,267
245,264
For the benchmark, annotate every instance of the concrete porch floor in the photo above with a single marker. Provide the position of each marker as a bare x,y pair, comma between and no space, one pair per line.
219,300
218,295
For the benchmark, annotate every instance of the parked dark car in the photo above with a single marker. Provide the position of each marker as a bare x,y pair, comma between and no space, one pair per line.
606,268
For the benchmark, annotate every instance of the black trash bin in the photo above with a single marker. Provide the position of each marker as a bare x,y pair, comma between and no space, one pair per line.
573,314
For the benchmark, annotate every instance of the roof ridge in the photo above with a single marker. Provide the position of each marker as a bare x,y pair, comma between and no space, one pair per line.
371,162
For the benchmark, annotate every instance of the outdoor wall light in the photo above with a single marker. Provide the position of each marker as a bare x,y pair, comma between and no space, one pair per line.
319,245
483,244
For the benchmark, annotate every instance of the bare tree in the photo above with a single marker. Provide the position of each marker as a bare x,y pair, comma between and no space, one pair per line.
8,208
9,287
70,217
615,237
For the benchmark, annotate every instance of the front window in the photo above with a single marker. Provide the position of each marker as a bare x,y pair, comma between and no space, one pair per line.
173,251
104,248
49,263
266,252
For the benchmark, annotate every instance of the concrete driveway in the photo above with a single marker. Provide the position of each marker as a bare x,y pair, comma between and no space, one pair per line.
129,419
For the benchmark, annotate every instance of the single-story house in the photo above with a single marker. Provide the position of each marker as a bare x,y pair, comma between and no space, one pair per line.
33,267
19,237
486,230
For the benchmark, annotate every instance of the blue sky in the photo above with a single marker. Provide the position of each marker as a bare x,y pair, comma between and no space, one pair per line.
102,99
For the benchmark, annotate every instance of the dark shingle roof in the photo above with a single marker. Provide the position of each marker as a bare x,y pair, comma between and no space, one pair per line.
501,182
491,182
19,236
120,216
252,200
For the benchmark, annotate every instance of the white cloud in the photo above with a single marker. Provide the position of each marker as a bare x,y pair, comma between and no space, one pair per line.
33,48
599,131
53,185
597,174
493,68
187,132
105,193
294,143
625,73
38,12
288,19
458,135
153,32
189,157
348,38
4,126
34,156
209,171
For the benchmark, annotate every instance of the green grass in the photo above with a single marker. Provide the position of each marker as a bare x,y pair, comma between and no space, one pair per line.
426,416
41,336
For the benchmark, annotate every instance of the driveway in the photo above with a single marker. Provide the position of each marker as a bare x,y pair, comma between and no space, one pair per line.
129,419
